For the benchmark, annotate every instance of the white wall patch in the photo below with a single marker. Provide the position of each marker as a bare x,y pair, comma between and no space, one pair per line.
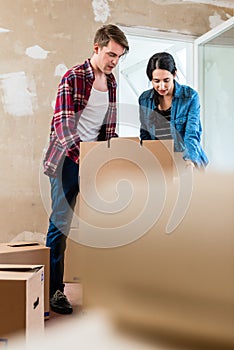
215,20
62,36
60,70
4,30
18,94
36,52
101,10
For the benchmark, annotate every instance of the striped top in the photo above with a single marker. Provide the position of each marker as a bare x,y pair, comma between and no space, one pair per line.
162,124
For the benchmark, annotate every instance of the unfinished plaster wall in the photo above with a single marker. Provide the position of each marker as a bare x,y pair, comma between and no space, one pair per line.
39,40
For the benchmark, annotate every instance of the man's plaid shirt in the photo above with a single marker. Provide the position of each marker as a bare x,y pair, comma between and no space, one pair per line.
72,97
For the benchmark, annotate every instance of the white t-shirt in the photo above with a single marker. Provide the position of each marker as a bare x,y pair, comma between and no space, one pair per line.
92,117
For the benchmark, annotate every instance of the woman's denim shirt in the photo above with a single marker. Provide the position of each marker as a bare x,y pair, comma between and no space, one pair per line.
185,122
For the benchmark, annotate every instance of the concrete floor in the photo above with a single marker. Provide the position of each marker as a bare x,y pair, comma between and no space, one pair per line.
73,291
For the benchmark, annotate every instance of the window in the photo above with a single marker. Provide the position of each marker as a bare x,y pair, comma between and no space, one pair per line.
204,63
214,53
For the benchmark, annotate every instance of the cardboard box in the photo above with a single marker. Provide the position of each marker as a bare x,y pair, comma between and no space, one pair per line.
29,253
113,160
21,302
73,260
116,183
179,284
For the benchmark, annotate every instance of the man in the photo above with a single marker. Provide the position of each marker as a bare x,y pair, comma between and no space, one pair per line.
85,110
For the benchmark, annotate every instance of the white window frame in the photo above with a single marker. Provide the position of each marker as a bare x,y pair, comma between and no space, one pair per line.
199,82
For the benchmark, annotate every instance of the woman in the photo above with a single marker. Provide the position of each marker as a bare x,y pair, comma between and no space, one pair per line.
170,110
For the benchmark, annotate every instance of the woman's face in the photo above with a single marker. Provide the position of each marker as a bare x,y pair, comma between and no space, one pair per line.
163,81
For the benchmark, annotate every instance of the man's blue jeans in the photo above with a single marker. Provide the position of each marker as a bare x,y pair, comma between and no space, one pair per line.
64,191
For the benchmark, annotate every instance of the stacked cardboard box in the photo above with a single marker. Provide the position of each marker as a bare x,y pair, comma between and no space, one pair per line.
29,253
21,302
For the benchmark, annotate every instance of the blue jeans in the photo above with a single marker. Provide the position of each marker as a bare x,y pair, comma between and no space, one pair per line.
64,191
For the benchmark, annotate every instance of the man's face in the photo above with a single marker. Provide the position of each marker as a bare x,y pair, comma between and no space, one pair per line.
108,56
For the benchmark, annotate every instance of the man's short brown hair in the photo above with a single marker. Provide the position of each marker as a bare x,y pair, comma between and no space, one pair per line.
111,32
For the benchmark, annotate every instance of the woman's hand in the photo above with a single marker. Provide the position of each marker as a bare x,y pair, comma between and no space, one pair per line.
189,164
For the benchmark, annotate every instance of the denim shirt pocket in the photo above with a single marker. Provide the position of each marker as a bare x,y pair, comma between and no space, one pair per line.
180,123
178,131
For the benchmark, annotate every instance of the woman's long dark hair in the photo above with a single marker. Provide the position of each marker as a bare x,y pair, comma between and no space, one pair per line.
160,60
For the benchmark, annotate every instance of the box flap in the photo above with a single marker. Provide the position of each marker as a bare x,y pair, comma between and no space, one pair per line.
19,267
22,244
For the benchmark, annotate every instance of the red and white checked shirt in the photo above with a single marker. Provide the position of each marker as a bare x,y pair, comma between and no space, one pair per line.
72,97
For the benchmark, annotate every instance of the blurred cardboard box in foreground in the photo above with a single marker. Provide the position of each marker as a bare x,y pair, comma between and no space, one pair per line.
157,254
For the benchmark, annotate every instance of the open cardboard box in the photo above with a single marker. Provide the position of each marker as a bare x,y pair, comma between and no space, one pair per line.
115,187
106,166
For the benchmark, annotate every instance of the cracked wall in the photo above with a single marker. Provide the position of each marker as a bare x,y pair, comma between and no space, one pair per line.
40,39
